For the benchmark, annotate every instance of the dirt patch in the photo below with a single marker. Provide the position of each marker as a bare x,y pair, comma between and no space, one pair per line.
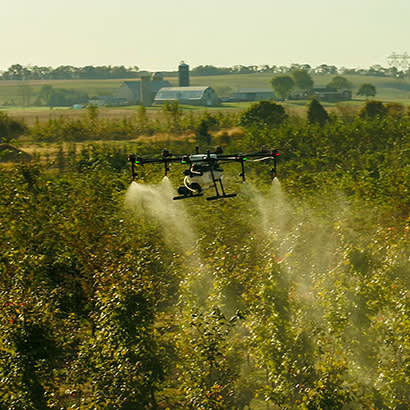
8,153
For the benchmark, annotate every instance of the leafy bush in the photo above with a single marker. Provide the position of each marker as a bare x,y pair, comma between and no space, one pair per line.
316,113
373,109
263,112
10,128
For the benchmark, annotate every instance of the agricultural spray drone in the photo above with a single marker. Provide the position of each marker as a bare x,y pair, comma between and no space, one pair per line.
204,169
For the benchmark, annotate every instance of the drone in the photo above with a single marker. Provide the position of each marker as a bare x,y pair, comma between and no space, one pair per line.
204,170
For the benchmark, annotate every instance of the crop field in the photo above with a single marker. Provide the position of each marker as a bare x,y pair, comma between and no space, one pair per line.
292,295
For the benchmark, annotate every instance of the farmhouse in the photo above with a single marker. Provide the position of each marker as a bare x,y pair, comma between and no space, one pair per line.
188,95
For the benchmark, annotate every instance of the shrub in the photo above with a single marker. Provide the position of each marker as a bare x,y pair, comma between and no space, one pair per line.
373,109
10,128
316,113
263,112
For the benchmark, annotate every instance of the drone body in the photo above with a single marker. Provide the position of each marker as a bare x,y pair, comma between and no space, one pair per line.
204,169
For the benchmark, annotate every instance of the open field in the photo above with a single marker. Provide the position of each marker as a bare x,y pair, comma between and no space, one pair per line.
31,115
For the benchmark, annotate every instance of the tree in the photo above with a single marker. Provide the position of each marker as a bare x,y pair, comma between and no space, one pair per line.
203,136
282,84
339,82
45,93
265,112
373,109
10,128
173,111
25,92
326,69
316,113
302,79
367,89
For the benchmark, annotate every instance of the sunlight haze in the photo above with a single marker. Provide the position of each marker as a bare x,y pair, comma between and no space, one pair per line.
157,35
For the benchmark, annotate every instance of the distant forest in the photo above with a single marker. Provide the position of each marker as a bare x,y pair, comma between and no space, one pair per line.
66,72
19,72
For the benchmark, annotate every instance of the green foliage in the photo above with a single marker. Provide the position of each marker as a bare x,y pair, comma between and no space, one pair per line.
339,82
206,375
302,79
373,109
173,111
282,85
61,97
92,112
18,72
295,294
266,113
10,128
202,132
316,113
173,120
124,364
367,90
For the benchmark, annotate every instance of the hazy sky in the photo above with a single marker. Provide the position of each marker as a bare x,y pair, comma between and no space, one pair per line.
157,35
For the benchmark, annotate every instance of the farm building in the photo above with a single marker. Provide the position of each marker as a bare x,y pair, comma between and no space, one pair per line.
205,96
323,94
131,90
332,94
252,94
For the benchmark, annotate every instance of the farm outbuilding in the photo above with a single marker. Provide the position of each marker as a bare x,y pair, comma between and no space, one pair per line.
205,96
327,94
332,94
252,94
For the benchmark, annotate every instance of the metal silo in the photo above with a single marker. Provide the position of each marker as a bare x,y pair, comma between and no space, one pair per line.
146,95
183,75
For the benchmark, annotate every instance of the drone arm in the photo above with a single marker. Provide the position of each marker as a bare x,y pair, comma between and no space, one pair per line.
242,174
166,167
274,168
132,158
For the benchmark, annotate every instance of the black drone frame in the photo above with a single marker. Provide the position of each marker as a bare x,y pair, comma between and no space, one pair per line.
209,158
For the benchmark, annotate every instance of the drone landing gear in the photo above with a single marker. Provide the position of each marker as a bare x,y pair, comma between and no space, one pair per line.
218,195
186,196
211,198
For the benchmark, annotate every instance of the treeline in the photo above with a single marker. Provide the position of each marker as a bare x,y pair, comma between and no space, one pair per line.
374,70
67,72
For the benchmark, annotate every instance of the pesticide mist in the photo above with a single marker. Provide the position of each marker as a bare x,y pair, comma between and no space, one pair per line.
155,201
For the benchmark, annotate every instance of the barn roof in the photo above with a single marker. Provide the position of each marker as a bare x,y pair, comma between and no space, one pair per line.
132,84
254,90
186,93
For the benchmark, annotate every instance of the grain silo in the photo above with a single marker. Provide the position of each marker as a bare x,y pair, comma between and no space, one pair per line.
146,97
183,74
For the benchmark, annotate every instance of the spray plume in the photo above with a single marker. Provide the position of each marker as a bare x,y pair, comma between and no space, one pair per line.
155,201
